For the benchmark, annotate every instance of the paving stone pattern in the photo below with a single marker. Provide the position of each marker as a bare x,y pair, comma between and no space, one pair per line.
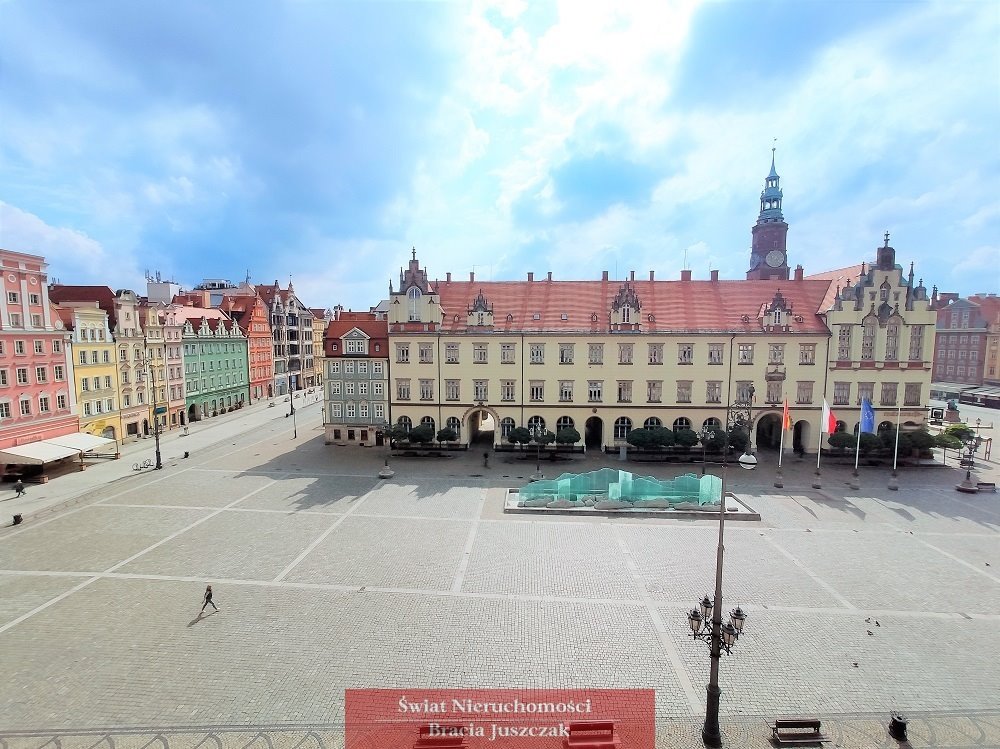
329,579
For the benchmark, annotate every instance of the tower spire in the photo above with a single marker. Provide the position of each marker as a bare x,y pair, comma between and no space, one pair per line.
768,257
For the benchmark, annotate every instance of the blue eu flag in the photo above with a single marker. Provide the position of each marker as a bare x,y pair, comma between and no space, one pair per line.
867,417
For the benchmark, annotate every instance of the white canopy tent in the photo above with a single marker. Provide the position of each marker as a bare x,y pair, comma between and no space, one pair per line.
55,448
81,441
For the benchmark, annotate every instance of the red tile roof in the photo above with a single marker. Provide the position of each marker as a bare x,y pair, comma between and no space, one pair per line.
836,278
103,295
676,306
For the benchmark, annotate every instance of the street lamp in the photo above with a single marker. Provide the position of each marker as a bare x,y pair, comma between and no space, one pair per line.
386,472
537,431
295,428
718,635
149,366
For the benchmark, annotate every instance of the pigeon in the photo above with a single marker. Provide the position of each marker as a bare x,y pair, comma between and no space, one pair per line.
855,664
868,620
877,624
871,633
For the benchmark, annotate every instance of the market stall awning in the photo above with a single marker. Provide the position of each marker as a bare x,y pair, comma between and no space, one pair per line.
81,441
36,453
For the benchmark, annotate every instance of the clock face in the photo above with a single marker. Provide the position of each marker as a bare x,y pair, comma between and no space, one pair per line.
754,261
775,258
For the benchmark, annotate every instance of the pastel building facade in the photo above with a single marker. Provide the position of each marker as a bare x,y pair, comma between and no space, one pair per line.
356,379
92,359
215,362
37,397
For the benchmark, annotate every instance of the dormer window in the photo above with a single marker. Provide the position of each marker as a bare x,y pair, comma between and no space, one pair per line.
777,317
626,314
413,302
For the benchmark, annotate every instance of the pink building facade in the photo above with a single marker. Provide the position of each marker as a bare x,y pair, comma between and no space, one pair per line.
37,395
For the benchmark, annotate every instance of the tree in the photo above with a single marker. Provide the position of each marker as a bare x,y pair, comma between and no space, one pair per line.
447,435
686,438
948,441
519,436
544,438
738,438
962,431
662,437
868,444
919,440
421,435
840,440
399,433
641,438
567,436
714,441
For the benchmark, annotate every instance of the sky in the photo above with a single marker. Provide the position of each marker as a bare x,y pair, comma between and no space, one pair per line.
319,142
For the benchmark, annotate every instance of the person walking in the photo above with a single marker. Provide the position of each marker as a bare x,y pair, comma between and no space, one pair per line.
208,599
19,488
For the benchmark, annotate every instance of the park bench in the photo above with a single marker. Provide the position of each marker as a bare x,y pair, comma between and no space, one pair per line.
427,741
591,734
796,731
986,486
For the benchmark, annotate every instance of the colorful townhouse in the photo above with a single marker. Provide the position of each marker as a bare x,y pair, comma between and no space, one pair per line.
356,380
92,359
37,397
292,339
321,318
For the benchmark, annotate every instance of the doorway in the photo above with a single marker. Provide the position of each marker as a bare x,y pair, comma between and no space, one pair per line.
800,437
482,427
768,432
594,433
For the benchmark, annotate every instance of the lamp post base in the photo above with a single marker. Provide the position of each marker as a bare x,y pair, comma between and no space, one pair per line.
818,481
855,482
710,732
779,479
893,482
386,473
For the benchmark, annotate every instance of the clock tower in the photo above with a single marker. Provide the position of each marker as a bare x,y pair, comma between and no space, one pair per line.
768,255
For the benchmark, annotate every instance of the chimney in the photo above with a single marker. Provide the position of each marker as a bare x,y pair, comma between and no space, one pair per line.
651,275
686,274
604,275
531,276
550,276
472,276
714,275
447,277
631,275
798,272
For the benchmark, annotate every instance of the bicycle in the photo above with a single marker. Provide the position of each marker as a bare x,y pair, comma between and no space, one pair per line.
147,463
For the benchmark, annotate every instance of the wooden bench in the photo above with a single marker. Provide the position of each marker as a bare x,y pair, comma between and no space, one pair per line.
428,741
591,734
796,731
986,486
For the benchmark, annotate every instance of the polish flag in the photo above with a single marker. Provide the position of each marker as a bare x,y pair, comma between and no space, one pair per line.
828,425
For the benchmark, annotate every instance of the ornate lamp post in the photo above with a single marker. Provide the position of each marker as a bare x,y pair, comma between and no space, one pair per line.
706,620
537,431
149,366
386,472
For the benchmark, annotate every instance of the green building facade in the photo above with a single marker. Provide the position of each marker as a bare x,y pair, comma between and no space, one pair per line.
216,366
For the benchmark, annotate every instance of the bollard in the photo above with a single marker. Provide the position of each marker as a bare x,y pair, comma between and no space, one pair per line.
17,519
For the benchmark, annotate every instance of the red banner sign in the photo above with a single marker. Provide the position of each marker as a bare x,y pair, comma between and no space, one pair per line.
497,718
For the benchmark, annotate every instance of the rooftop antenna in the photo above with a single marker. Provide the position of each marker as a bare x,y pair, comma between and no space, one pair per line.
685,258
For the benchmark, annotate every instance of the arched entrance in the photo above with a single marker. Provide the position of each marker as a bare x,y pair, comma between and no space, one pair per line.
108,433
145,427
800,436
482,426
594,432
768,432
192,412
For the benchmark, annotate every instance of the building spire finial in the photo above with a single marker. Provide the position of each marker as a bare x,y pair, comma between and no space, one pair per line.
887,239
414,253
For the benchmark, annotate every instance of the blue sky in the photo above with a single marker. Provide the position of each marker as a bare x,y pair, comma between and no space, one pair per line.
321,140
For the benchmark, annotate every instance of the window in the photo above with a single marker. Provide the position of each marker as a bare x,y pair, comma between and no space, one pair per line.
656,353
566,391
536,423
403,390
39,346
451,389
4,410
87,410
844,343
378,411
481,390
34,299
356,347
413,304
22,375
61,402
715,353
93,357
595,389
507,390
402,353
455,425
479,353
623,425
537,353
713,391
451,353
536,390
506,353
776,353
774,392
807,353
841,393
335,367
685,353
98,407
681,422
83,357
350,409
624,391
684,391
804,392
4,378
362,367
889,393
348,388
625,352
36,321
565,353
746,353
564,422
41,375
916,343
866,391
25,408
743,391
426,353
56,346
427,390
654,391
43,404
911,394
377,367
891,342
335,387
15,320
19,348
336,410
868,340
506,426
595,353
12,297
652,423
363,410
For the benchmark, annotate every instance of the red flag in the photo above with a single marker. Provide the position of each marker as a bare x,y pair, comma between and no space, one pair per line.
786,417
828,425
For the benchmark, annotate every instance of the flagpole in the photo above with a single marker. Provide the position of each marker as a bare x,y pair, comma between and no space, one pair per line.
895,450
781,444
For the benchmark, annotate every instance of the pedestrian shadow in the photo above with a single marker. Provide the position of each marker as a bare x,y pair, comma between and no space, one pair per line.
201,617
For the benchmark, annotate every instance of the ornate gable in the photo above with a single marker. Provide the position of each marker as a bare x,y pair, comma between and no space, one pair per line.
480,312
625,309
